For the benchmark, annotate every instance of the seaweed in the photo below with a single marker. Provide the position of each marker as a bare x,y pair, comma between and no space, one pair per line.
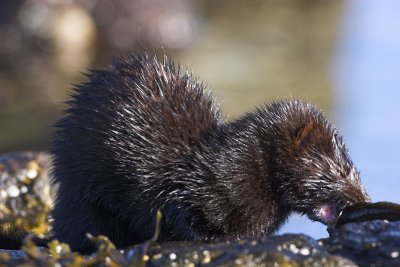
25,196
60,254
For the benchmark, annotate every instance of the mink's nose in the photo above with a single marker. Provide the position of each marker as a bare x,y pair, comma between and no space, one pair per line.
327,213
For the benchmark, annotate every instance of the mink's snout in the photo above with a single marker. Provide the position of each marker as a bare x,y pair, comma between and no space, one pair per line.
327,213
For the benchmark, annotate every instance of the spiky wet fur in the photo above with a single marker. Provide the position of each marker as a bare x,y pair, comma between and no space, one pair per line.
144,135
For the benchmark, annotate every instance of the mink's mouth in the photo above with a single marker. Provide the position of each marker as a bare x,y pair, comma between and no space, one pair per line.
326,214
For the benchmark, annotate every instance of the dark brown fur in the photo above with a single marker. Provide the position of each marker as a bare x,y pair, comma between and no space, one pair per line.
142,136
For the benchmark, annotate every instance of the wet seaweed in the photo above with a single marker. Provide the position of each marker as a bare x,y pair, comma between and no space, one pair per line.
25,196
60,254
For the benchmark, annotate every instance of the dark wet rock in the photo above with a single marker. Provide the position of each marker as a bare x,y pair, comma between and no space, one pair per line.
13,254
367,234
371,243
25,196
286,250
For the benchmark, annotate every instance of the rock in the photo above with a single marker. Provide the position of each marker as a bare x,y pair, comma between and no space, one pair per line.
285,250
26,200
372,243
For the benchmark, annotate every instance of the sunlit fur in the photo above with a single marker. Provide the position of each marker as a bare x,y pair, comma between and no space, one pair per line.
143,135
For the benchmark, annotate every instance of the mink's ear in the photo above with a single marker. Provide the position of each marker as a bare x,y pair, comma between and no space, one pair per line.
302,135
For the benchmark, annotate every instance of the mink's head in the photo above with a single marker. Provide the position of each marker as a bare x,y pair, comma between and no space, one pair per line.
313,171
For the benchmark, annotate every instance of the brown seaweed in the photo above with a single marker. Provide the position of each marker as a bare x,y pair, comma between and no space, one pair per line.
25,197
60,254
362,212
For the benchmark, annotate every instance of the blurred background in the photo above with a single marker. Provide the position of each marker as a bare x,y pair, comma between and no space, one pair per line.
343,56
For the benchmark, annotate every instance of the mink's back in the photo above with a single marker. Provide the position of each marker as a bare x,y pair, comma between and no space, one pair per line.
124,134
138,108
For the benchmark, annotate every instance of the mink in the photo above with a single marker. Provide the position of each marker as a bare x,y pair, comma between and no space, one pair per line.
144,135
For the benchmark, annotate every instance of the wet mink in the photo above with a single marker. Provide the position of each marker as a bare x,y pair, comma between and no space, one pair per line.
144,135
